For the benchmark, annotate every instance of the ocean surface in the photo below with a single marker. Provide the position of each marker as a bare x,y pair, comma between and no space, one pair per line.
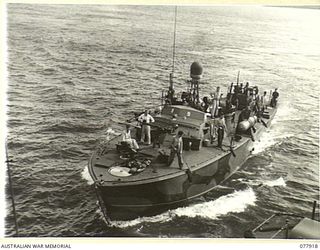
76,70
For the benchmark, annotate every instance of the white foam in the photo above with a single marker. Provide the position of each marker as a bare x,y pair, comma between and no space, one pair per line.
164,217
285,112
271,183
276,131
86,176
236,202
278,182
268,139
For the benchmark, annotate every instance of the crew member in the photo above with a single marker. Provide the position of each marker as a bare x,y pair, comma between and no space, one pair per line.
205,104
246,89
126,137
264,100
241,88
221,126
170,95
215,102
274,99
257,104
235,101
146,119
231,88
236,89
176,148
228,108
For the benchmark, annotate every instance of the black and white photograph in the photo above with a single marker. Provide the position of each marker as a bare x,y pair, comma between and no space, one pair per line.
162,121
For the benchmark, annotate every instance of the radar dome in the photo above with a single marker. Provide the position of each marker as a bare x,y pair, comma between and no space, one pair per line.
196,71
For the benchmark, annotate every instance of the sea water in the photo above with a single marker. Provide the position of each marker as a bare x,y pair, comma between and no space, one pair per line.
74,71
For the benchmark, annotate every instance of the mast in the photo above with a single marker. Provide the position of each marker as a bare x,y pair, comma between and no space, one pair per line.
171,89
174,39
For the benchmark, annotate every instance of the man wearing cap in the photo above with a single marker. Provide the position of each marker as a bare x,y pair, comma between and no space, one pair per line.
146,119
176,148
275,96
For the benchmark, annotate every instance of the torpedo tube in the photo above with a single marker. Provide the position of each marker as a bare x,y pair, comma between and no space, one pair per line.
196,71
246,124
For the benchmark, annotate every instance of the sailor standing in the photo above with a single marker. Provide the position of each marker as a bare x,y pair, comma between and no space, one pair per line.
146,119
264,101
176,148
215,102
221,128
274,99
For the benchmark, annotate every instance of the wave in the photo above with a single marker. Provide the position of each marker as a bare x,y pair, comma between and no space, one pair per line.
285,112
235,202
270,138
264,182
73,126
278,182
298,148
232,203
66,80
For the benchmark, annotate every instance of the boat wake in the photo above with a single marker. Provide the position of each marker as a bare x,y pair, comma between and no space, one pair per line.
285,112
279,132
268,139
235,202
271,183
164,217
278,182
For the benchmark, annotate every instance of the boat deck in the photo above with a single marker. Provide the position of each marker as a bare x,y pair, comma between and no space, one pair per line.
100,164
156,170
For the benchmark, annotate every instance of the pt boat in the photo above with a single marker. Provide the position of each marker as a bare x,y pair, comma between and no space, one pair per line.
134,183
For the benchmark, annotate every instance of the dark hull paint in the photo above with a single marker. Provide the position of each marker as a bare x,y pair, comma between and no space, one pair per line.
151,198
129,202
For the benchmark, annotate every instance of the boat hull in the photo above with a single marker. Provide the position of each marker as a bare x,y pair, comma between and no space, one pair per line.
125,201
132,201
